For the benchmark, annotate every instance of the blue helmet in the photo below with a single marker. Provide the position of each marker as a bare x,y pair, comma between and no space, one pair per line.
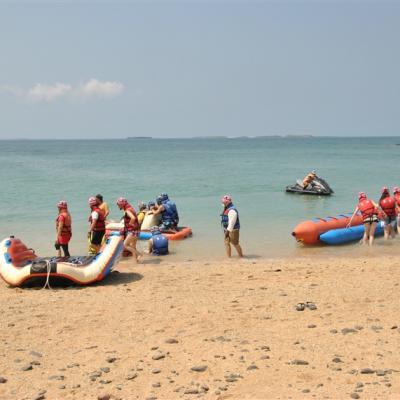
164,196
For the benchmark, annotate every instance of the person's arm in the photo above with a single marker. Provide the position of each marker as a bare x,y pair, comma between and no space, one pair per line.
131,216
380,209
351,219
159,210
232,218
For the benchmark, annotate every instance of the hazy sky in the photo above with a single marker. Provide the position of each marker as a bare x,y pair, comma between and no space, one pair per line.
180,69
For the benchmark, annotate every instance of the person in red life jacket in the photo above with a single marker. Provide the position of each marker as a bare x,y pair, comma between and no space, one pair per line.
369,212
231,225
97,227
396,195
131,227
63,229
389,207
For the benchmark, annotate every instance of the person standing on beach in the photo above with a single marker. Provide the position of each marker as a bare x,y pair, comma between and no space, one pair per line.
131,227
231,225
369,212
396,195
103,205
97,227
63,229
388,205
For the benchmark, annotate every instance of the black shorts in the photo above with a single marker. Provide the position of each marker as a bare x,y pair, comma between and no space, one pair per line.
96,237
371,219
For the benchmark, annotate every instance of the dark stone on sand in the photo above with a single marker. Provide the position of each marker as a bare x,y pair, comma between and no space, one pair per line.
131,376
35,362
337,360
104,396
345,331
199,368
171,341
26,367
56,377
381,372
35,354
333,331
2,379
105,381
355,396
39,397
367,371
205,387
61,387
95,374
156,385
394,327
151,398
105,369
299,362
111,359
156,371
311,326
158,356
191,391
305,391
251,367
264,357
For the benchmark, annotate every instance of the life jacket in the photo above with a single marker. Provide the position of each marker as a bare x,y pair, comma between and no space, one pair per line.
140,217
367,208
66,229
397,198
160,244
100,222
127,219
170,213
388,205
225,218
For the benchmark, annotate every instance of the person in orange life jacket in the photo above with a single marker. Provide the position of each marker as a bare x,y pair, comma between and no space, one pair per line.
389,206
158,243
103,206
97,227
131,227
231,225
369,212
63,229
396,195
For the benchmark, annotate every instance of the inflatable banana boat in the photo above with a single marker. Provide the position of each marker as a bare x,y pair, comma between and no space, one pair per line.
309,232
180,234
20,265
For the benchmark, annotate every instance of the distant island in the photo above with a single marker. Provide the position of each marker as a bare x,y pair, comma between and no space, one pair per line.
138,137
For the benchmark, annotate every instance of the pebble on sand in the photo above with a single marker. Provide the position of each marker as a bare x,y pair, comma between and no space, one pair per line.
299,362
2,379
158,356
199,368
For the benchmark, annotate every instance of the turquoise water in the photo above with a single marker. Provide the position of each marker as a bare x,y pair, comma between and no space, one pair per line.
195,173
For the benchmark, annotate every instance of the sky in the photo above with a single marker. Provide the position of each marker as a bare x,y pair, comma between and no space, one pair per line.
178,69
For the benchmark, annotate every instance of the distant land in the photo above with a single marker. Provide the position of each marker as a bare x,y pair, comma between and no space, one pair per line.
138,137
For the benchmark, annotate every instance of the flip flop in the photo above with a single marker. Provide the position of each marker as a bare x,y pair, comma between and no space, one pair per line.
300,307
310,305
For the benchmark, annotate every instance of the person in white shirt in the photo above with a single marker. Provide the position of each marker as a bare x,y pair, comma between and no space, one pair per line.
231,225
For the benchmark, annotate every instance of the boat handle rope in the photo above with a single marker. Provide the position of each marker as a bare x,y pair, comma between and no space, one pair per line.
48,267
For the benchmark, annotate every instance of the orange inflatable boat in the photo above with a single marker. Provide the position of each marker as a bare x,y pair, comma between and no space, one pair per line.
308,232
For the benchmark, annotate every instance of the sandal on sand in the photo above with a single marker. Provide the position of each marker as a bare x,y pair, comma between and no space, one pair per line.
300,307
310,305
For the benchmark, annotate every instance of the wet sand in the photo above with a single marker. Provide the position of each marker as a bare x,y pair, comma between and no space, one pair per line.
210,330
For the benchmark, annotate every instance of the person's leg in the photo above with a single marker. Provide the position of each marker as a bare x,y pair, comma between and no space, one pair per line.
367,227
65,250
372,233
239,250
58,248
393,228
228,247
234,240
130,244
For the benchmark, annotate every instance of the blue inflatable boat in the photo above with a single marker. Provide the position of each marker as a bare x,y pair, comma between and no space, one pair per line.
346,235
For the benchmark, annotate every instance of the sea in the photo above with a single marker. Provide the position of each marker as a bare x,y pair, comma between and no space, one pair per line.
36,174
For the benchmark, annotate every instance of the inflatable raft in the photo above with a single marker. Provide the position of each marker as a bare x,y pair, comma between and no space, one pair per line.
309,232
20,265
182,232
346,235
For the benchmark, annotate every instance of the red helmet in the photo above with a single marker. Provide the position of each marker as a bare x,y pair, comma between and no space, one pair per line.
361,195
62,204
122,201
226,200
385,190
93,201
396,189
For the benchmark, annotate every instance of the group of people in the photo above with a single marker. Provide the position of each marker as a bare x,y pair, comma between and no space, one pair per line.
159,216
387,210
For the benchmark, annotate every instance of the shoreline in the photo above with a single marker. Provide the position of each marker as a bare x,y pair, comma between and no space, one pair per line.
139,333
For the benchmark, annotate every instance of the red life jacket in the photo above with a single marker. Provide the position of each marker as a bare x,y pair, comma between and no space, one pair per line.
388,205
127,219
66,229
397,198
367,208
100,222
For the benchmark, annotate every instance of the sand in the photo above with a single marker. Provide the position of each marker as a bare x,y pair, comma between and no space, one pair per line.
140,333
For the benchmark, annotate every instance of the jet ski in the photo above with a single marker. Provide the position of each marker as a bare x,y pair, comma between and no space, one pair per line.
317,187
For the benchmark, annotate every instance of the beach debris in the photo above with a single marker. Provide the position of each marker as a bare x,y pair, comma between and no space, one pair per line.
345,331
171,341
158,356
299,362
199,368
311,306
300,307
367,371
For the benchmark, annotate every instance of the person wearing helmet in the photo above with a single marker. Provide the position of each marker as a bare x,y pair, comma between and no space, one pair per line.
396,195
103,205
63,229
131,227
389,206
158,243
150,219
369,212
309,178
97,227
231,225
142,206
168,211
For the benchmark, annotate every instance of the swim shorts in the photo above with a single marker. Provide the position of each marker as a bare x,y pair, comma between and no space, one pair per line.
233,237
371,219
96,237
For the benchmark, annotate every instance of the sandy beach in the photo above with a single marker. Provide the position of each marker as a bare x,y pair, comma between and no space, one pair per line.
208,330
